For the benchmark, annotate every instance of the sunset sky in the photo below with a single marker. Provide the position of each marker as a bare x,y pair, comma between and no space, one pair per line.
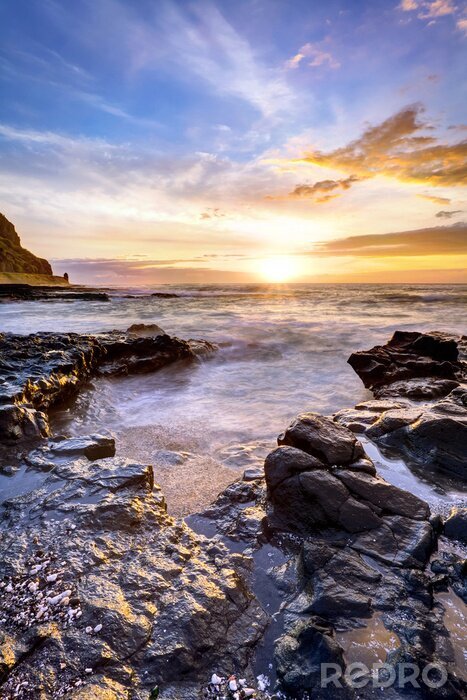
157,141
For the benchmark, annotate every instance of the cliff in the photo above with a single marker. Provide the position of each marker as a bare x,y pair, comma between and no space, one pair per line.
16,259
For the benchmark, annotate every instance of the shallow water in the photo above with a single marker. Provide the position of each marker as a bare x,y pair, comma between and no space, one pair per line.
283,350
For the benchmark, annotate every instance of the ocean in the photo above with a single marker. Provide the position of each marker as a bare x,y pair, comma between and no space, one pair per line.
283,350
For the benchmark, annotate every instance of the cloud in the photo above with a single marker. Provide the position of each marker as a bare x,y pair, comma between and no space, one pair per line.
318,56
212,213
198,40
433,10
398,148
435,199
324,190
115,271
448,214
439,240
408,5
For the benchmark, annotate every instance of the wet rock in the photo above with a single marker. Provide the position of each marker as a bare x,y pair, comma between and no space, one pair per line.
355,420
21,421
252,474
418,389
455,525
323,439
42,370
363,544
411,356
144,330
92,447
153,602
299,655
422,367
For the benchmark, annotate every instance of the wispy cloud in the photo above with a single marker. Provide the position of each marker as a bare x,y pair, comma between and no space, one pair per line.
314,55
433,10
435,199
199,40
448,214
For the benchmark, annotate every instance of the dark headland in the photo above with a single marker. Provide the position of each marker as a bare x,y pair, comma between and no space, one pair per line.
26,277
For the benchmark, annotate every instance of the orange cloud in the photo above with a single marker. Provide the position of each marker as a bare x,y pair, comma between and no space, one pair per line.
439,240
324,190
397,149
434,199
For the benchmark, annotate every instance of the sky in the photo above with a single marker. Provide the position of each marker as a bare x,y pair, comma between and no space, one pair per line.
164,141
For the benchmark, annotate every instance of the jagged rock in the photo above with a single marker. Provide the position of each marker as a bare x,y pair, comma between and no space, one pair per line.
403,366
143,330
322,439
419,366
455,525
299,655
363,548
157,603
307,493
44,369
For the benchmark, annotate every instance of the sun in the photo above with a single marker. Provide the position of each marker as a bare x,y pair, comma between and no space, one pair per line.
280,268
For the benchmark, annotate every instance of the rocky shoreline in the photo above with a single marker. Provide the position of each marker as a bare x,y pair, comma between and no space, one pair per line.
105,595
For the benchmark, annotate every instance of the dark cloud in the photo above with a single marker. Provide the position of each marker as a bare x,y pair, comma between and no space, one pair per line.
448,214
323,190
439,240
399,148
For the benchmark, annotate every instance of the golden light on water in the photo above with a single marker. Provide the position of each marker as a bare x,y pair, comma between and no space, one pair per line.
279,268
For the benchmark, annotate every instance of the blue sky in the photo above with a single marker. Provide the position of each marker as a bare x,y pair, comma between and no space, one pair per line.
180,133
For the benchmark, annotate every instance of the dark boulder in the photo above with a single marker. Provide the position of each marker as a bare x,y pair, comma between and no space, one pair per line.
455,525
323,439
400,367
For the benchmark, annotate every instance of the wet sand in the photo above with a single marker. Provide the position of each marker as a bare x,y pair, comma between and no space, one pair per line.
190,482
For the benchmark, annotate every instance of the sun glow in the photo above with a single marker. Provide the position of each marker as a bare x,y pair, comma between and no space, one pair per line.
280,268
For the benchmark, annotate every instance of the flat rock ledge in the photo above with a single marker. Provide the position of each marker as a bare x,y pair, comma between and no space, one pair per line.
44,369
103,595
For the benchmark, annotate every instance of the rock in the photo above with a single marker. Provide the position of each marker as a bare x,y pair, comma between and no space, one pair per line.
15,258
355,420
386,497
92,447
159,604
307,495
285,462
165,295
252,474
455,525
323,439
403,366
393,420
144,330
417,388
299,654
422,366
434,436
42,370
